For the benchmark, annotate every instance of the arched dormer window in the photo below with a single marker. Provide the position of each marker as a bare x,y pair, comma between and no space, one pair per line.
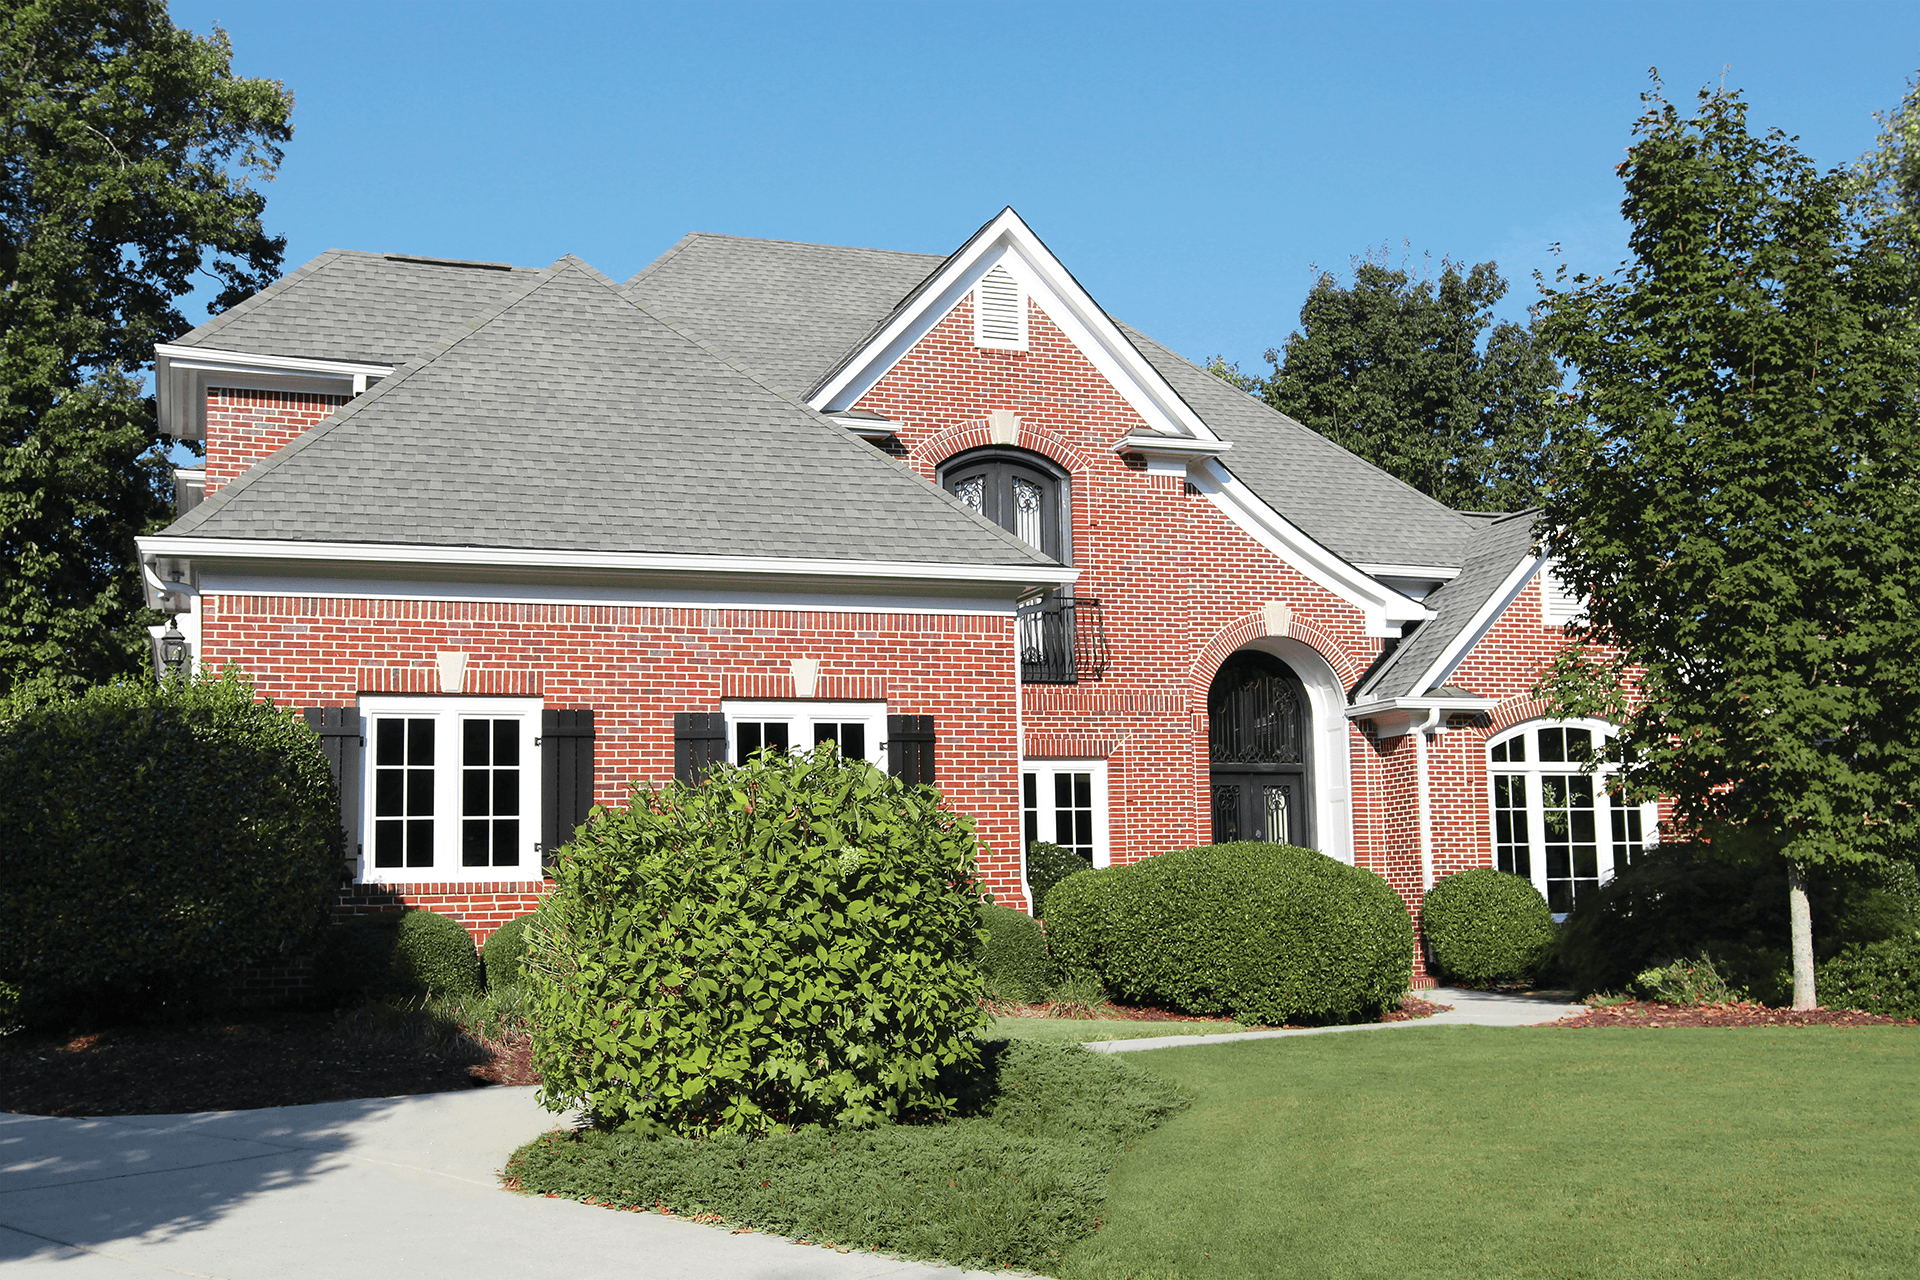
1022,492
1553,821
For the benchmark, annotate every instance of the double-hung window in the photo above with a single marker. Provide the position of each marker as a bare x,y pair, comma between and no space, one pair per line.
1064,802
858,729
452,789
1553,821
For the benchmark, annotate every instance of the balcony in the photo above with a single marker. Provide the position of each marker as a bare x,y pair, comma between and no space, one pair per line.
1062,641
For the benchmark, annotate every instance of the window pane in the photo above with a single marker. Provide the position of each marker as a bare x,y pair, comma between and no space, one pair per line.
1029,808
1279,803
420,842
826,731
506,742
1026,508
506,842
972,493
419,742
475,784
1073,813
388,839
506,791
473,842
1553,746
474,737
776,735
746,740
1628,842
390,793
390,741
1226,813
853,741
419,792
1580,745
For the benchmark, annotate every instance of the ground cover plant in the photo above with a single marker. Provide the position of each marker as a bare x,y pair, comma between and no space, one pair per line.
1472,1152
1264,933
1016,1176
790,943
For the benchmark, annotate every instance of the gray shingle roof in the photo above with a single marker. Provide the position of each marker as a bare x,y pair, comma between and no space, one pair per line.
371,308
1494,548
570,418
789,311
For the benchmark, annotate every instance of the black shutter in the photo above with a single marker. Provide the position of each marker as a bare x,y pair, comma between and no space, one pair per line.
910,748
340,742
699,742
566,777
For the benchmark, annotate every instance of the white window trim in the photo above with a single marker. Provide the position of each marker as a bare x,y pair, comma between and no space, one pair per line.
802,713
1045,771
1533,769
448,712
980,338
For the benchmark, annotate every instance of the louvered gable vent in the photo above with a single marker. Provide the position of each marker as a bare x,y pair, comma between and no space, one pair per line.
999,317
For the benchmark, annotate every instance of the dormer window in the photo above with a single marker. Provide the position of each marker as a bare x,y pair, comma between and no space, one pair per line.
999,311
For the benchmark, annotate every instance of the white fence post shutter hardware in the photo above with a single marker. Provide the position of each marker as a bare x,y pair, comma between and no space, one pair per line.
999,312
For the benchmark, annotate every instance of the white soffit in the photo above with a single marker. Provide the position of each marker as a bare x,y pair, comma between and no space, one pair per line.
181,376
1008,241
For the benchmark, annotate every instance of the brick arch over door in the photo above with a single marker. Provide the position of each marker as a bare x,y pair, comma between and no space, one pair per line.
928,456
1254,626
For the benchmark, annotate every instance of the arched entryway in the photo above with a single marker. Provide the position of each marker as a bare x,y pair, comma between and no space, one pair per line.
1259,754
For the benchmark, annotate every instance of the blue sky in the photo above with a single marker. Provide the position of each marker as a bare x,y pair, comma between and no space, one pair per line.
1188,162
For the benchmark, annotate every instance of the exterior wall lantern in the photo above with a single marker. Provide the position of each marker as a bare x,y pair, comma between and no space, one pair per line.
173,648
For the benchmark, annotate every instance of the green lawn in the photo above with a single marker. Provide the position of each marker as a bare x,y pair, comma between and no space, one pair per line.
1083,1030
1528,1152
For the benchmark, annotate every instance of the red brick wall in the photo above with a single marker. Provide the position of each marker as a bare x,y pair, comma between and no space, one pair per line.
636,667
243,427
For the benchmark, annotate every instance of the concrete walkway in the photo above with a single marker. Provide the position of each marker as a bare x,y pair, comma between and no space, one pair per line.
1470,1009
404,1187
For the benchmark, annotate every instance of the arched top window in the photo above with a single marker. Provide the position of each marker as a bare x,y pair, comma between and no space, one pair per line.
1553,821
1022,492
1256,712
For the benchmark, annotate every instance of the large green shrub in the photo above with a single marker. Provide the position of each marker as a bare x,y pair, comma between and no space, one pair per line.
1875,977
1265,933
399,953
1485,926
1676,900
1014,956
1047,865
159,839
790,943
501,952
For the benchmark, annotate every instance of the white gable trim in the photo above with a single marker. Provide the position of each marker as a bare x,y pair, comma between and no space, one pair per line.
1386,610
181,376
1461,645
1007,241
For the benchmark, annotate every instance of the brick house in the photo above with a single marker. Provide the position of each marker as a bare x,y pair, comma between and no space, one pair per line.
518,537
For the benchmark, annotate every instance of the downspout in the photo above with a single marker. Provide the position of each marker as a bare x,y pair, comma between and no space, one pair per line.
1431,723
1020,761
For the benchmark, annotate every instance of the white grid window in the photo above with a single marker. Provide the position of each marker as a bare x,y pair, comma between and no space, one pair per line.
452,789
1064,802
857,728
1553,822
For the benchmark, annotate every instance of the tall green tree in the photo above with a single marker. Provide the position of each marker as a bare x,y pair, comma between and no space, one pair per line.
1739,502
130,156
1414,375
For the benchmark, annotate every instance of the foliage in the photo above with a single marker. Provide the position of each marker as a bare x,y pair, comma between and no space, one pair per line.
1010,1184
1077,997
1685,981
1876,977
399,954
160,839
130,158
1014,957
1047,865
1687,1154
1394,368
1677,900
1484,926
789,944
1738,505
501,952
1262,932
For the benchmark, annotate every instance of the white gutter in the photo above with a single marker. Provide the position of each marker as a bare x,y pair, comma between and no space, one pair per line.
191,547
158,587
1393,717
1159,446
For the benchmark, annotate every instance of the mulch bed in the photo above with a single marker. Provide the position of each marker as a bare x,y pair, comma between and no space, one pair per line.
1410,1008
1645,1013
235,1063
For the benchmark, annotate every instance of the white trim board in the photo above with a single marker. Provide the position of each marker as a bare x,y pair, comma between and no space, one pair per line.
1470,635
181,376
1008,241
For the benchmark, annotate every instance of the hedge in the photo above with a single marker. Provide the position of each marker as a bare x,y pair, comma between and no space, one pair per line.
159,840
1485,926
501,952
790,944
1264,933
1014,958
399,953
1876,977
1047,865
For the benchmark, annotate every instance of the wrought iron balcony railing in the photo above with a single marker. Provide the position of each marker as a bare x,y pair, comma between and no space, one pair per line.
1062,641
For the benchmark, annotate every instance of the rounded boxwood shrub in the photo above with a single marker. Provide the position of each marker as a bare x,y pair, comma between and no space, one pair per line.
160,839
1264,933
399,953
791,943
1485,926
1875,977
500,953
1014,957
1047,866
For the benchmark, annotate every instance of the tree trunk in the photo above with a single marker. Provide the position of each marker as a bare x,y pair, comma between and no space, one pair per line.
1800,913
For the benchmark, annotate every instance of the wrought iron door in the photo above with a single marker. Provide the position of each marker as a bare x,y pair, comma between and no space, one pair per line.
1257,746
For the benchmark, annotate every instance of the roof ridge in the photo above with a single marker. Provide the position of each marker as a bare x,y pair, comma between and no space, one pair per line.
305,440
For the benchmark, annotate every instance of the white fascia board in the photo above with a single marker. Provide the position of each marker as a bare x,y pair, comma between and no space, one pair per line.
1010,242
1394,717
1386,610
1429,572
1496,604
1170,447
1021,578
181,376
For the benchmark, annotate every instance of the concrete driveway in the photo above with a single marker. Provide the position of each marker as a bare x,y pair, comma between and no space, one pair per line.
404,1187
